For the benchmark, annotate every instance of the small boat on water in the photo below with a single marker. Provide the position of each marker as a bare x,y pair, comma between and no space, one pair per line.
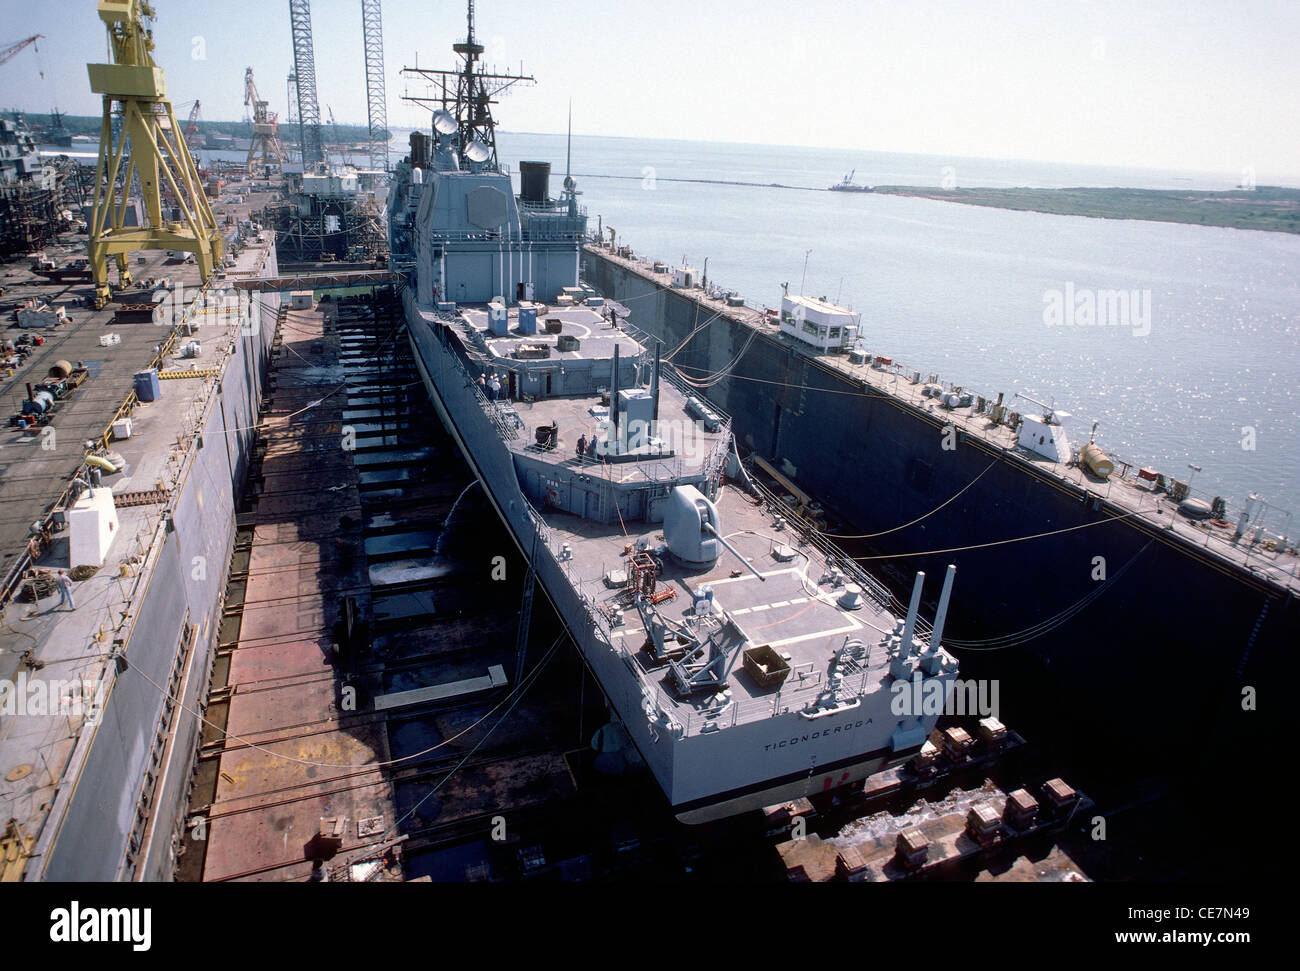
848,185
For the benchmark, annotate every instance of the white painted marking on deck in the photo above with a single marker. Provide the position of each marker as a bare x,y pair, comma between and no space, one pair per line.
750,576
781,603
820,633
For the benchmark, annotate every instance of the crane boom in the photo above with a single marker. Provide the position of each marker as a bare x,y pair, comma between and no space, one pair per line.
12,49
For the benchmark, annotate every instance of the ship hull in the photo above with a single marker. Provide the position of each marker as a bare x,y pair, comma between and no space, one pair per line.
705,775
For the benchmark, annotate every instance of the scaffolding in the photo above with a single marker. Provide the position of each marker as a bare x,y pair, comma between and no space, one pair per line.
28,218
372,29
304,70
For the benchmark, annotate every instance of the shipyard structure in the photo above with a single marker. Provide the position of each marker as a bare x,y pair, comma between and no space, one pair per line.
37,196
330,214
137,500
134,411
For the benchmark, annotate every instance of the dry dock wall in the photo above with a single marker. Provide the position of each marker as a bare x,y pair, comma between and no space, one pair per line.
1171,642
131,791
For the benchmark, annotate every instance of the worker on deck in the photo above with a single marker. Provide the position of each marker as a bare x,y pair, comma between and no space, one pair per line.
65,591
582,445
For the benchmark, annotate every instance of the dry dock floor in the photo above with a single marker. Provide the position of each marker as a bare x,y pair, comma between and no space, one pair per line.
291,755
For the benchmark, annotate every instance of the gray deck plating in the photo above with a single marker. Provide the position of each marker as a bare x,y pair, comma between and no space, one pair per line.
791,610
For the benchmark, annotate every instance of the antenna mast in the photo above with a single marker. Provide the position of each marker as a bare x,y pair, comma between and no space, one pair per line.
468,95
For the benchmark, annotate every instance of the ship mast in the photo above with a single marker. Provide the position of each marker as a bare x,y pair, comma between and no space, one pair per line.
468,94
571,192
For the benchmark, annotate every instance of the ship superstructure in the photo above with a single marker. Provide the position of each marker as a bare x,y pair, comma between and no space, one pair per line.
743,663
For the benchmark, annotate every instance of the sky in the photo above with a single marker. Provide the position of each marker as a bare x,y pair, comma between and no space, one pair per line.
1202,86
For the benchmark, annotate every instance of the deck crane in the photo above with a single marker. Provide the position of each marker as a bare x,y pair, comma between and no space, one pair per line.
136,86
334,138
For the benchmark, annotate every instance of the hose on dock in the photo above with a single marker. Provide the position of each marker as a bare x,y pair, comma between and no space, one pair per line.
673,353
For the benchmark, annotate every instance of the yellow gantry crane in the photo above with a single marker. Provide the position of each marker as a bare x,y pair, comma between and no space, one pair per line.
149,145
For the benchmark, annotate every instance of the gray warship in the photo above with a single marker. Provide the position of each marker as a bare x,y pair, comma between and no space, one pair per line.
743,662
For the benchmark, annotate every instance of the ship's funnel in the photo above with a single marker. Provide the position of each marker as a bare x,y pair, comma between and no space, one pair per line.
419,150
535,181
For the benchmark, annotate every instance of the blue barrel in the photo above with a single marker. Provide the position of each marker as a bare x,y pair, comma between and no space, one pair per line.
147,385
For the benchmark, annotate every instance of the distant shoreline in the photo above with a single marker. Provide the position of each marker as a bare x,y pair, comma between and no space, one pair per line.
1266,208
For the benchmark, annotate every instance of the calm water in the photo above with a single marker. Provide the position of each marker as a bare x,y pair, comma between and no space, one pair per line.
961,290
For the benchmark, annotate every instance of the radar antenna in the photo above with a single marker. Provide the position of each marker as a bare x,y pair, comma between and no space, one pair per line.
467,96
